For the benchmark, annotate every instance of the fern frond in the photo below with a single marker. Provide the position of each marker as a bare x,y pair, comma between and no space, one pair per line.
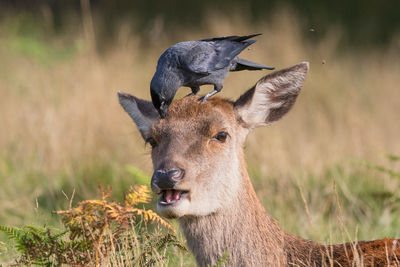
151,216
96,229
12,232
138,194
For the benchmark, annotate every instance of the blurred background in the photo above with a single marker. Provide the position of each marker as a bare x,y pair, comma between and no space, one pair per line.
323,171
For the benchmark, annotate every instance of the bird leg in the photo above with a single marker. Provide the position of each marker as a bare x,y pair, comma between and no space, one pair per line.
217,89
195,90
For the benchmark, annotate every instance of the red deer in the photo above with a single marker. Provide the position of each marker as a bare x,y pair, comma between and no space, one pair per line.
201,178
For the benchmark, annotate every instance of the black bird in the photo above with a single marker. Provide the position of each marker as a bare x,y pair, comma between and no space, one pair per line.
195,63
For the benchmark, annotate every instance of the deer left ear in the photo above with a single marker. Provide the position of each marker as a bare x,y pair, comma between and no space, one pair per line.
141,111
272,97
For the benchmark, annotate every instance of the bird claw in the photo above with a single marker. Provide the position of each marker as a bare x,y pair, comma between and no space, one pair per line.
203,99
207,96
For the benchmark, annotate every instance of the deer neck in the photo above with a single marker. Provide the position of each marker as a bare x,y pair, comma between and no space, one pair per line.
241,227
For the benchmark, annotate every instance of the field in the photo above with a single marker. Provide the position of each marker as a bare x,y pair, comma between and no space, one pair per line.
62,129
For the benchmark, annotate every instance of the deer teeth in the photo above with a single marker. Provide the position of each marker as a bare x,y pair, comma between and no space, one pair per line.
170,196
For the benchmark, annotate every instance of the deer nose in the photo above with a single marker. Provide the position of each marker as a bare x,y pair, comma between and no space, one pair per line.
165,179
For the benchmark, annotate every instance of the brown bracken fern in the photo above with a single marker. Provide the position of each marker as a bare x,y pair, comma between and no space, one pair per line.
100,232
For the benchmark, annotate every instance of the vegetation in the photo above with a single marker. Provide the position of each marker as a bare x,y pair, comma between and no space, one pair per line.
371,22
99,233
62,131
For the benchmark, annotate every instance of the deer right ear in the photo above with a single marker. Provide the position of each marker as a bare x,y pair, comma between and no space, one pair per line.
141,111
272,97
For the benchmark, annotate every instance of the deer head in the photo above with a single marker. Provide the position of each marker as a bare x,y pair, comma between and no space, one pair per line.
197,148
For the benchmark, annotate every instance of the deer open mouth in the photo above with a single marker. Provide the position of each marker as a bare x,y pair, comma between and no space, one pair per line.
171,196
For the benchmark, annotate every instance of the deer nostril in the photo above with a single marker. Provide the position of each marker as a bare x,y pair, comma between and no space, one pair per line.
175,174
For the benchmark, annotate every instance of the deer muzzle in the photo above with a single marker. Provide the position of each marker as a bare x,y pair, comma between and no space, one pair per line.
165,179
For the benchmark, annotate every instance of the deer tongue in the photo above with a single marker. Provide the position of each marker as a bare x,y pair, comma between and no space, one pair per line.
171,195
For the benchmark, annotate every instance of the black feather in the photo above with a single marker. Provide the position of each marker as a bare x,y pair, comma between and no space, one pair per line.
242,64
233,38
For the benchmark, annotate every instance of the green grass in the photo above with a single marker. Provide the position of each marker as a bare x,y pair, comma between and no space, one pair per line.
45,191
344,201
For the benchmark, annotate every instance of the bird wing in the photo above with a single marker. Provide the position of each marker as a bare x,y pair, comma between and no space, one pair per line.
198,59
226,51
208,56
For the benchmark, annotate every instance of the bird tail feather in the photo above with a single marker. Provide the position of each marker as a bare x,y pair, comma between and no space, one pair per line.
242,64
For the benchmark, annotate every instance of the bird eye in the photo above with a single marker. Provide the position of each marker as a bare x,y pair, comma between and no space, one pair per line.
151,141
220,137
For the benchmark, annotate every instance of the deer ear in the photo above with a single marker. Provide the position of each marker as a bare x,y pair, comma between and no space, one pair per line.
272,97
141,111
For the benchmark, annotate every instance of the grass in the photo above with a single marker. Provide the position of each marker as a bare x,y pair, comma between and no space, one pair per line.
63,131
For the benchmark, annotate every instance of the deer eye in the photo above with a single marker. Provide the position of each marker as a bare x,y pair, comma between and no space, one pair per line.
151,141
220,137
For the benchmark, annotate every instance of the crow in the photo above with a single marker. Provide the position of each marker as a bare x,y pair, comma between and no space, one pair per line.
195,63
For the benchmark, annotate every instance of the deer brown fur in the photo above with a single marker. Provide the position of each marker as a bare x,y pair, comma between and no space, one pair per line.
213,198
